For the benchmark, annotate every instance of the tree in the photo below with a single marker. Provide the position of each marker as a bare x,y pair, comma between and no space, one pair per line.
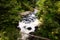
49,14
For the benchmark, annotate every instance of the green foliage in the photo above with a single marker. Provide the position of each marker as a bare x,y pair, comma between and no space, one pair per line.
49,11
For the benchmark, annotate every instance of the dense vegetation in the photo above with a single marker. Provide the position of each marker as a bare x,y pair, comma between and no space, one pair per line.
49,14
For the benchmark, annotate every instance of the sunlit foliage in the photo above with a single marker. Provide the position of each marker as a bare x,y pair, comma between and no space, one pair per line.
49,14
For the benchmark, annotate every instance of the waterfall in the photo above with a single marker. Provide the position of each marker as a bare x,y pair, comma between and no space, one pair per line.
28,24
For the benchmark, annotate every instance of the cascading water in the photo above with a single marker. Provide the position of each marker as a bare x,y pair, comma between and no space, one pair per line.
28,24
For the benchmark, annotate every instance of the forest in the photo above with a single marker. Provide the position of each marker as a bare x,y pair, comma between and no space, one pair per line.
48,14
